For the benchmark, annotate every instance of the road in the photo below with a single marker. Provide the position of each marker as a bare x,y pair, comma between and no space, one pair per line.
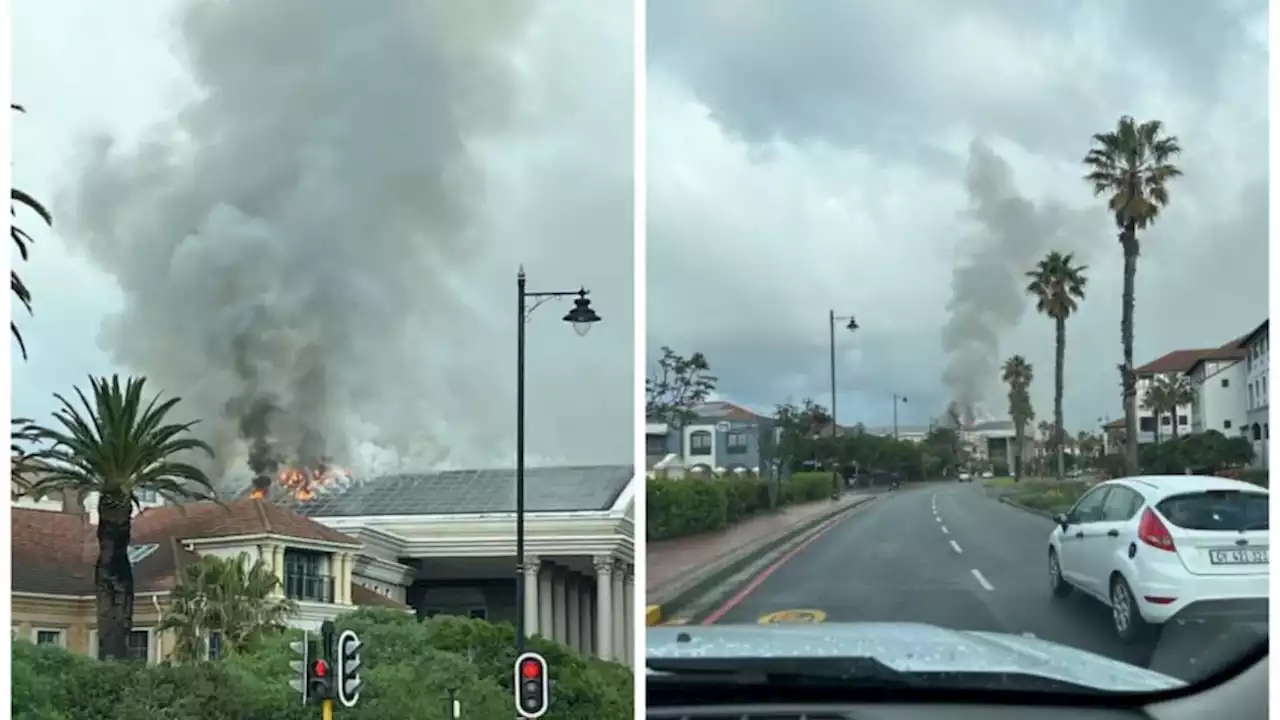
947,555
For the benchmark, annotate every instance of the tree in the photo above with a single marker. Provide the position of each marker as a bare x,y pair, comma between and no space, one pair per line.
1057,284
801,429
1017,375
679,385
117,447
1132,167
228,596
1180,393
22,241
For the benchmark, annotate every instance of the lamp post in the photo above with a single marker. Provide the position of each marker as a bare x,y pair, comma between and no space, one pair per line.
831,332
582,317
896,399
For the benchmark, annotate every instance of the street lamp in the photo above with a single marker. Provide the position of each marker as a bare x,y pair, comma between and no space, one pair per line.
582,317
851,325
896,399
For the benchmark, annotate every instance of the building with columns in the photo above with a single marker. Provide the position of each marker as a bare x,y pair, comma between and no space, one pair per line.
445,543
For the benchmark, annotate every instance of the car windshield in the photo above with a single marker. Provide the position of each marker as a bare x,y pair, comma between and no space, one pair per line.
1230,510
942,304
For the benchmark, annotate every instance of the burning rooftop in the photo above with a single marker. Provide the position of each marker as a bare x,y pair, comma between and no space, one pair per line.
302,483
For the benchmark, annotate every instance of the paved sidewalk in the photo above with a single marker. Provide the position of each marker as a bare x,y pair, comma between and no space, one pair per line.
670,561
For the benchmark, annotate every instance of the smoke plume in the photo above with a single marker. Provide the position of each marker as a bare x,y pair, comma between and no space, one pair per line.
286,244
1009,235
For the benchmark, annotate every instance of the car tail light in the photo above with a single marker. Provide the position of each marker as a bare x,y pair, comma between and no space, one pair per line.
1153,532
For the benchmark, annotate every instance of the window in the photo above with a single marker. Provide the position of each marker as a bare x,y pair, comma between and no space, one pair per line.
736,443
655,445
51,637
478,614
213,645
1164,420
303,579
1226,424
700,443
1147,424
1228,510
1121,504
146,495
138,646
1226,382
1089,508
138,552
1182,419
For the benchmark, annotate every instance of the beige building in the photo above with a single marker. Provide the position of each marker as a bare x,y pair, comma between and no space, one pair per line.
55,548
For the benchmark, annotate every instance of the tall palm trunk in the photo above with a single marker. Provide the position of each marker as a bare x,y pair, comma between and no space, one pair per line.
1060,361
1129,380
1017,459
113,577
1174,432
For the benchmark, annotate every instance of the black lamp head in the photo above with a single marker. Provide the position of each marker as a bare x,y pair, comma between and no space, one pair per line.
582,316
853,324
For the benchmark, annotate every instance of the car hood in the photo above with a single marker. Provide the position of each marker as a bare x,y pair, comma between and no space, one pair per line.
911,648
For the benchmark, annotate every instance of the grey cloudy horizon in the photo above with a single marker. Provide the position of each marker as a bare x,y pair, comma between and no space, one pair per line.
889,160
325,206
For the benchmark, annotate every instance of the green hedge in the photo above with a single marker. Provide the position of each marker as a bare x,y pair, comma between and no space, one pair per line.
409,667
692,505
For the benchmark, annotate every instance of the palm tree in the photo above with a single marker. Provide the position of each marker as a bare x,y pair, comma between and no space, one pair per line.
227,596
1180,394
21,240
1131,165
117,447
1156,401
1017,375
1056,284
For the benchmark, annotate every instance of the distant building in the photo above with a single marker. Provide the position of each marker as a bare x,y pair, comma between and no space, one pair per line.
1178,362
1257,347
721,436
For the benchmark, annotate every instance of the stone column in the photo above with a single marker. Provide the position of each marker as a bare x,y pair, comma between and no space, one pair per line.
604,607
530,570
573,614
545,607
559,606
277,563
586,617
629,611
619,619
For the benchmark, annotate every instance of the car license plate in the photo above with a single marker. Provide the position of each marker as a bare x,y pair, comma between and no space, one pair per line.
1242,556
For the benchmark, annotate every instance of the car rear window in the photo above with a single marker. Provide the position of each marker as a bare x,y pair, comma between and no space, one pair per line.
1217,510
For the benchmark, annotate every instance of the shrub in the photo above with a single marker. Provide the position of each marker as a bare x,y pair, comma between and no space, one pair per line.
692,505
409,667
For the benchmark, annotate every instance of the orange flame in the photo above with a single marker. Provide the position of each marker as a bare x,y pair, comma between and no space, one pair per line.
303,482
258,494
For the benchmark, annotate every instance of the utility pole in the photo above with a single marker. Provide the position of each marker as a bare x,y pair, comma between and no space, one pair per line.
831,336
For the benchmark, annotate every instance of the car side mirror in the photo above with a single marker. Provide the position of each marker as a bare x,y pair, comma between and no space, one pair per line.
1061,519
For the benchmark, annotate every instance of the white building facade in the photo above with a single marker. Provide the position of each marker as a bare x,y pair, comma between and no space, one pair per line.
1219,387
1257,347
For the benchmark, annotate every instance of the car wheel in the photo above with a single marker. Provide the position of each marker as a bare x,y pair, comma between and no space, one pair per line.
1125,616
1059,587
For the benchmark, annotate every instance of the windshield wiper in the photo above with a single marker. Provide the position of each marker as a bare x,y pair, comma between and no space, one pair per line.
787,671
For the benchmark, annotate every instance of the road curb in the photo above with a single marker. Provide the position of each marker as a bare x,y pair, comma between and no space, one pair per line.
655,612
1024,508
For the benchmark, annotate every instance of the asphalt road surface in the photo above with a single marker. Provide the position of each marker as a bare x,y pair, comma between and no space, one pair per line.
948,555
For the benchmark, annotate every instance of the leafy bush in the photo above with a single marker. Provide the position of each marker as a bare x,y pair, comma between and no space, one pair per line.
409,667
688,506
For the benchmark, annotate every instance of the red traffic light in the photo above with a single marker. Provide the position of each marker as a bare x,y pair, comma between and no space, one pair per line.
320,669
530,669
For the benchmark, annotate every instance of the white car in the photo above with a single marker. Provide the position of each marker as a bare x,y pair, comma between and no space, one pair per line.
1151,547
965,476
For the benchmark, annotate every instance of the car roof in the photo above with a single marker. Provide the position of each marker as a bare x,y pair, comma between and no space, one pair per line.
1158,487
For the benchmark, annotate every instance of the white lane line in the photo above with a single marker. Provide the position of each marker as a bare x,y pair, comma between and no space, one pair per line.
955,547
945,531
982,581
935,517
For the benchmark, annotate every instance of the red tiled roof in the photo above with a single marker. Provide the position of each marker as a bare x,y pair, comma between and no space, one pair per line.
363,596
1115,425
55,552
1181,361
724,410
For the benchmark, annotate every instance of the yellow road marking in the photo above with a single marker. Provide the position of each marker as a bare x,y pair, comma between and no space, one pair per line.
793,617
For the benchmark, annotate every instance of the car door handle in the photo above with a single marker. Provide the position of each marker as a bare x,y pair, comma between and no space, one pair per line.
1113,533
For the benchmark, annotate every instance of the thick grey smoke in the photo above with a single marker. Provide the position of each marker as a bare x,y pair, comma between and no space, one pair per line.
287,246
1009,235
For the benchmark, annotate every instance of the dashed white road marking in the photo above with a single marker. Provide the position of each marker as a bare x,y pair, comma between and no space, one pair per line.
955,547
945,531
982,581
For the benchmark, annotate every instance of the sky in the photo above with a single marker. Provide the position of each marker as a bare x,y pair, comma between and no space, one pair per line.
895,160
322,206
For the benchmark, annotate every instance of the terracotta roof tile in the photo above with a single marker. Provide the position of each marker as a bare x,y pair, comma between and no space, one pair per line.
55,552
361,595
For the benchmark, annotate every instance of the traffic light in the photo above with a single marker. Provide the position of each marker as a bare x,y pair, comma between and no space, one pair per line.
301,665
319,680
532,688
349,668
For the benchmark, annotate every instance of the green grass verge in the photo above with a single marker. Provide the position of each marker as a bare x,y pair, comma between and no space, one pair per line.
1050,496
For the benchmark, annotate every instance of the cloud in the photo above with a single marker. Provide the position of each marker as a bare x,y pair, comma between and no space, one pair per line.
331,220
808,156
